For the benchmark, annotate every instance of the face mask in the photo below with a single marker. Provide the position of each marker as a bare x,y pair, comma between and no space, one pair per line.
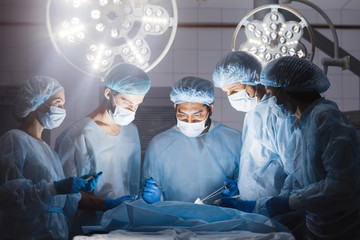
122,116
280,111
191,129
241,101
53,118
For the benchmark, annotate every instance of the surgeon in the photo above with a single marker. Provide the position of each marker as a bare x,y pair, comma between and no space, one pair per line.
35,197
324,151
106,140
262,170
192,159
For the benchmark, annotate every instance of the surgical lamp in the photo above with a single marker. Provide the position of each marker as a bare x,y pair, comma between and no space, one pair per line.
336,61
274,37
93,35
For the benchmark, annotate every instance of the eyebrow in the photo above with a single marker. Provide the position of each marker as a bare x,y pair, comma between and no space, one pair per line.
192,113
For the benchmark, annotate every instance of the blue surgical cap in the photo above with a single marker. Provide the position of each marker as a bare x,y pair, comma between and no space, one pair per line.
193,89
294,74
33,93
127,79
237,66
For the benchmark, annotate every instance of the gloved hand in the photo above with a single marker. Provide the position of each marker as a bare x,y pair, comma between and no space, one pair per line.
277,206
112,203
237,203
69,185
232,188
151,192
92,181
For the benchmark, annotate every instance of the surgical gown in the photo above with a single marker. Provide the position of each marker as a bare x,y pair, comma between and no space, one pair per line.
27,208
326,157
263,168
84,148
188,168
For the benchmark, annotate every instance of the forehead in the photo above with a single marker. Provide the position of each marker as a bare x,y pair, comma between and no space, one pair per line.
190,107
234,85
131,98
58,95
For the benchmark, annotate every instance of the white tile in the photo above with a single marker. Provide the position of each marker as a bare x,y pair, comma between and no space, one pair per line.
161,79
350,17
336,88
208,60
15,59
13,78
351,40
334,15
178,76
233,15
352,4
310,15
227,35
188,15
186,38
209,15
351,87
351,105
209,39
185,61
166,64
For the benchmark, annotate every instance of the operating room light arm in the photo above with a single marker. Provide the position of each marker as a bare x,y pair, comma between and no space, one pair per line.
336,61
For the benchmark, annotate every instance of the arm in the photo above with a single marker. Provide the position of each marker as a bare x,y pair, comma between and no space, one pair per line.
90,202
338,152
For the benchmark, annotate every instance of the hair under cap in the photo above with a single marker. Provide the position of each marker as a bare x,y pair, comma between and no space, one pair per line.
33,93
127,79
237,66
193,89
294,74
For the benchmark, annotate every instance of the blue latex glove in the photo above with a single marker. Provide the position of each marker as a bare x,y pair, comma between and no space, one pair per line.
151,192
237,203
92,181
232,188
278,206
69,185
112,203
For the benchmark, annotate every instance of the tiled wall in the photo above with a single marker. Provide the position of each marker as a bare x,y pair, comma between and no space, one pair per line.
25,50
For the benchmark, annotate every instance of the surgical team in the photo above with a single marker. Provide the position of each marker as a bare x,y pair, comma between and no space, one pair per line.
297,159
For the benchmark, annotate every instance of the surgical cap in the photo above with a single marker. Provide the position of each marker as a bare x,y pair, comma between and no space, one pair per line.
193,89
237,66
127,79
294,74
33,93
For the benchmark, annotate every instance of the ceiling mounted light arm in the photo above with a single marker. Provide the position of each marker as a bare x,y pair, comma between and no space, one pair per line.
273,37
336,61
93,35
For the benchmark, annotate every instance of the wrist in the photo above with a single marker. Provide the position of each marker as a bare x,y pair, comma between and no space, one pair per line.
294,202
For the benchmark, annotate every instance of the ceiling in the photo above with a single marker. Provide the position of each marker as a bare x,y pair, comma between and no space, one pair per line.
248,4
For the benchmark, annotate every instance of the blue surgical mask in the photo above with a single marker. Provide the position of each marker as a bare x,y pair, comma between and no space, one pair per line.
53,118
280,110
241,101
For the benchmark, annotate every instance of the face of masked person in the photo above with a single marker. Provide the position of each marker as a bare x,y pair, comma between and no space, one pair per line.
280,110
124,112
53,118
192,118
241,101
53,114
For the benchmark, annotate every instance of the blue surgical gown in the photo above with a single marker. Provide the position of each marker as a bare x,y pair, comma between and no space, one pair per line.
263,167
326,157
188,168
84,148
27,208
